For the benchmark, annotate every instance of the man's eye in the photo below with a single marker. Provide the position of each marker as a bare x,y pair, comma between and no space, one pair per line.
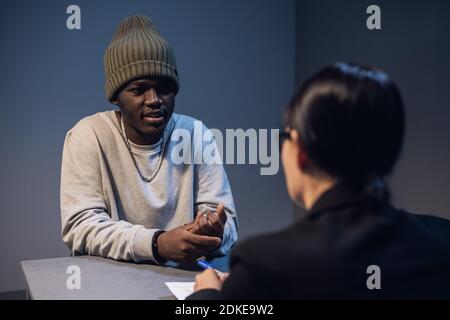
137,91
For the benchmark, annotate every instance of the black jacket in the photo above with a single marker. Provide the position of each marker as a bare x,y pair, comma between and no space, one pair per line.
327,253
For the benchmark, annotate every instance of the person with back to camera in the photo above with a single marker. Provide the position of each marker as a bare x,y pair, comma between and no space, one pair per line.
344,133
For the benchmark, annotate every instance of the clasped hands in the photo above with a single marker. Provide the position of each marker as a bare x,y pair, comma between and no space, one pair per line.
198,238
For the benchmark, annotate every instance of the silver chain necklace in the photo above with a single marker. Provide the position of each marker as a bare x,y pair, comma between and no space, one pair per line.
160,160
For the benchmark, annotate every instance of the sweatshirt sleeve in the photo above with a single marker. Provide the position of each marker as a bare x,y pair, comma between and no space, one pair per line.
211,189
87,226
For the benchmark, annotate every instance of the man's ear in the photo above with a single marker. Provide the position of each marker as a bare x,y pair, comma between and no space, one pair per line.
115,102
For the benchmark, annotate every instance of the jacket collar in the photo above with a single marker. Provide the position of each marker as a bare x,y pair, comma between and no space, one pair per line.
340,195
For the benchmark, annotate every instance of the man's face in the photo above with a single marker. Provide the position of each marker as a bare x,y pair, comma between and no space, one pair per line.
146,106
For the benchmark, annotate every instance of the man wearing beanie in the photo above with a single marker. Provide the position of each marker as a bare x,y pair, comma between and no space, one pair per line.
122,196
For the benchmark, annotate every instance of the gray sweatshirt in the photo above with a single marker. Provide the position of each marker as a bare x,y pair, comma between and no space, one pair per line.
109,211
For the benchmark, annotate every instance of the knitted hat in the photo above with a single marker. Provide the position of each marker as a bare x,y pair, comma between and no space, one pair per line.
137,50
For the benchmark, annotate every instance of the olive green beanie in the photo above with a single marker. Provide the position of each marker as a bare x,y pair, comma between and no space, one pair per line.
137,50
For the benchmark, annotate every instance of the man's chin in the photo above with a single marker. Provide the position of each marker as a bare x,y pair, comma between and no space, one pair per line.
154,131
154,128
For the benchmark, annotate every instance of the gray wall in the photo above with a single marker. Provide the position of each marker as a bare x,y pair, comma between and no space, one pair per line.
236,65
413,47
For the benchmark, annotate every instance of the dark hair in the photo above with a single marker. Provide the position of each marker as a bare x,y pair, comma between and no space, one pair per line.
351,121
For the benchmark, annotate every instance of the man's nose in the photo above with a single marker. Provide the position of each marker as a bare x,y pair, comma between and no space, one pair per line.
152,98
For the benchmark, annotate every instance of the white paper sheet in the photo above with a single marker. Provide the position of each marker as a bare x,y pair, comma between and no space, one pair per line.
181,289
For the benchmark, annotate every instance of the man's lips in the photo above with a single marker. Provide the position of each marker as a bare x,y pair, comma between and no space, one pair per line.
155,114
154,117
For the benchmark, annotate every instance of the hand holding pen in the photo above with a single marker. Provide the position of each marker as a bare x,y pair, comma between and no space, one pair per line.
205,265
210,278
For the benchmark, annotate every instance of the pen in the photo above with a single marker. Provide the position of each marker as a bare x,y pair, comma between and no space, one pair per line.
205,265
